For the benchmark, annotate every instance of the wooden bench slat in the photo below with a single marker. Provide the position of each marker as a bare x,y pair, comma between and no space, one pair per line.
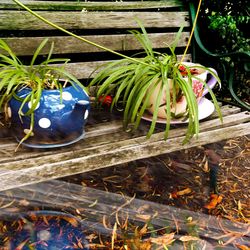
17,20
97,135
91,5
83,70
123,140
107,156
26,46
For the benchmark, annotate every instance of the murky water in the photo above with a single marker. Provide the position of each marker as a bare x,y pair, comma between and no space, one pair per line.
111,220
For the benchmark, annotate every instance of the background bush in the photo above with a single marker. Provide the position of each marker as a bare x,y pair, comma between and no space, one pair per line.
224,24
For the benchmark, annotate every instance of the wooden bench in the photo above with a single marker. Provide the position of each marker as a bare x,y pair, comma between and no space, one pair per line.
106,143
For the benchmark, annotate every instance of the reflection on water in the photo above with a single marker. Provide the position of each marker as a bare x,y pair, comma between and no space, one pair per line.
113,221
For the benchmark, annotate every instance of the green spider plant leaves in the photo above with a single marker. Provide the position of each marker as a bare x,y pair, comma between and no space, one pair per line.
133,82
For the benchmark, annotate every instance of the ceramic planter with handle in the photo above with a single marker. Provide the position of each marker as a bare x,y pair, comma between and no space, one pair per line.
59,118
199,90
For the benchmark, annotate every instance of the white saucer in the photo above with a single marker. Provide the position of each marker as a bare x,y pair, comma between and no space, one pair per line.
205,109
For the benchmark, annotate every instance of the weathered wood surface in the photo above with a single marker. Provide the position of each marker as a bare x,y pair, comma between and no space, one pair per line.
91,5
104,26
84,70
18,20
26,46
107,144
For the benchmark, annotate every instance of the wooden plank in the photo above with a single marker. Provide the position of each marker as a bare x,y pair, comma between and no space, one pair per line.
113,156
100,134
18,20
91,6
77,161
66,44
84,70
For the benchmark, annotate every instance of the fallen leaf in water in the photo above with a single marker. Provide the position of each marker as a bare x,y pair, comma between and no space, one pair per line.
91,237
24,202
206,167
188,238
144,229
215,200
165,239
21,245
243,247
143,216
72,221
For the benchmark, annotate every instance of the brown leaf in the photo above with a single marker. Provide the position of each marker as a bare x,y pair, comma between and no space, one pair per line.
188,238
165,239
144,216
145,245
206,167
181,165
72,221
215,200
24,202
21,245
185,191
144,229
91,237
243,247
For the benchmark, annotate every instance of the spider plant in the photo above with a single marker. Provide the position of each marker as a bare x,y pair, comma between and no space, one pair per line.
133,83
14,76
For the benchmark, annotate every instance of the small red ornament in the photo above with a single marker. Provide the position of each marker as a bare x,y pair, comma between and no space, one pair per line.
105,101
184,71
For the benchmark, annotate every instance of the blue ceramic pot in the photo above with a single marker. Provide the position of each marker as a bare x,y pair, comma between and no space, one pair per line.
43,230
58,122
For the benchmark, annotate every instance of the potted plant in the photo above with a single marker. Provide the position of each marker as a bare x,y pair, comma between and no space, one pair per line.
157,83
47,106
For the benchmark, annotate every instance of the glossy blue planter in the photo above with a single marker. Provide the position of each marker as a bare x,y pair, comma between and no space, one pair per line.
58,122
43,230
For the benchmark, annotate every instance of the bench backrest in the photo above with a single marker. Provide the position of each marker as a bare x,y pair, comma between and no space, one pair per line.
104,22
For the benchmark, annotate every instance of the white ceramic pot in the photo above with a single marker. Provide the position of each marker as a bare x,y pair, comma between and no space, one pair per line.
181,105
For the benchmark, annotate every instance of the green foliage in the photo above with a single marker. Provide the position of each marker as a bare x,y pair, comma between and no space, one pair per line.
227,28
14,76
133,82
228,24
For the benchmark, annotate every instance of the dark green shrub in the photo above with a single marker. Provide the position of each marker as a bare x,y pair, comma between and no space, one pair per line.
225,24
